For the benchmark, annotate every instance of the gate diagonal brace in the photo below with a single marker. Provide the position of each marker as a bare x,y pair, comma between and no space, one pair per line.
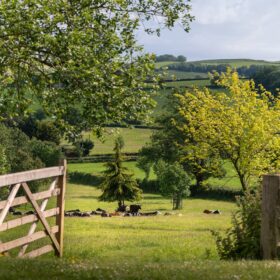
41,216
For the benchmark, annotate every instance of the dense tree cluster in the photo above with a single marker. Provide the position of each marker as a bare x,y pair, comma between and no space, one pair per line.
269,77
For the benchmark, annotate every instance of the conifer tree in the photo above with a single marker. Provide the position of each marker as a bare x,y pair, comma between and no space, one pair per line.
119,184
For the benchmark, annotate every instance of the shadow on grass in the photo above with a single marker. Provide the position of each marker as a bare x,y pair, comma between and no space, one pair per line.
84,179
87,197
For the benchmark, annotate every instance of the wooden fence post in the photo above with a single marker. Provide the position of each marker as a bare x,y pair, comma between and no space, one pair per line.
61,205
270,220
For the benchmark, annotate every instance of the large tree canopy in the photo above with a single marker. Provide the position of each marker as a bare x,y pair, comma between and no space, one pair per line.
242,123
82,54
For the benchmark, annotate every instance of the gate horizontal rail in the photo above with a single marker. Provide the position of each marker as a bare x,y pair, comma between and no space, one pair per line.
56,189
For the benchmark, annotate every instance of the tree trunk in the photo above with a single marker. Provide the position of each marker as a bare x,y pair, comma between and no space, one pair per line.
177,201
199,180
243,182
241,176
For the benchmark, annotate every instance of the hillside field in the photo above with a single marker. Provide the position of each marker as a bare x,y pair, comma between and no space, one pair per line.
134,139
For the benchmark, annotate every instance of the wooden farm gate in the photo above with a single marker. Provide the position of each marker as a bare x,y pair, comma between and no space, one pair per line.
15,181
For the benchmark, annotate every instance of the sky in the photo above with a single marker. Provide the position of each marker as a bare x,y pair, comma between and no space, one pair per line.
223,29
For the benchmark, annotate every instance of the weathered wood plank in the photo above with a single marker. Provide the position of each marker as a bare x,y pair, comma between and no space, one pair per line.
8,203
34,225
25,240
37,196
38,252
27,219
26,176
270,215
40,215
61,205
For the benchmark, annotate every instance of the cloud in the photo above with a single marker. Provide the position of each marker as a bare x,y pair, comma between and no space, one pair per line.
224,29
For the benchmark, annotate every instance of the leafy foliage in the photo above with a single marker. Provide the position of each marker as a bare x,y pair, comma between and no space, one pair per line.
4,168
269,77
36,125
85,146
240,124
174,144
80,52
173,181
242,240
19,153
119,185
48,152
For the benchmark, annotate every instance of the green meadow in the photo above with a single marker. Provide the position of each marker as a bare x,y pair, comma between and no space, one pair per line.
178,246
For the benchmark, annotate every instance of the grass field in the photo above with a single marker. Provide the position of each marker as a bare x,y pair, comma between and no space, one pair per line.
134,139
97,168
117,245
160,247
229,181
185,75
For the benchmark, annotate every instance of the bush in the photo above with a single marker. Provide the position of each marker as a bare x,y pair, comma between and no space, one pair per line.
71,152
149,186
242,240
86,146
22,154
47,131
48,152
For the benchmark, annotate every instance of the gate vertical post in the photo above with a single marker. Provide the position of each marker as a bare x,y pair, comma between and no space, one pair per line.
61,206
270,219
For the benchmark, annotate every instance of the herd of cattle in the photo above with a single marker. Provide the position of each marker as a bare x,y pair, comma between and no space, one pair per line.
133,210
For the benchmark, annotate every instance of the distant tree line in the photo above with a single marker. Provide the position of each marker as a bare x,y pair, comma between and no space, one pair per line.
170,57
269,77
243,71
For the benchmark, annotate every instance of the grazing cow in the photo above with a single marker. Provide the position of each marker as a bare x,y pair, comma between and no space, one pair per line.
151,213
128,215
85,214
206,211
73,213
96,213
134,208
122,208
31,212
101,210
105,215
17,213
